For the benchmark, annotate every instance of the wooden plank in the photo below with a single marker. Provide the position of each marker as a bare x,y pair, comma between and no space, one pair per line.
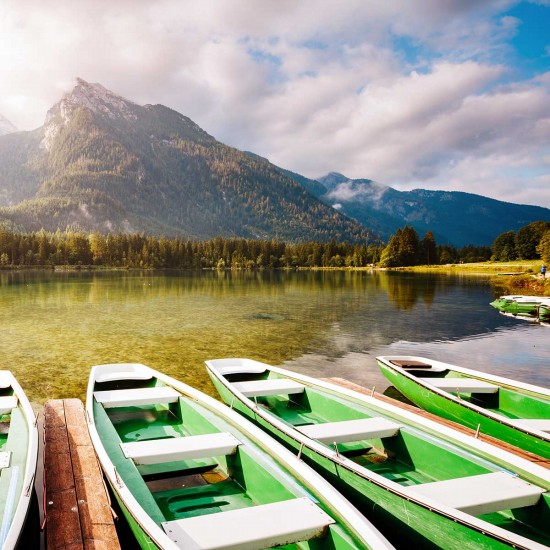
78,510
545,463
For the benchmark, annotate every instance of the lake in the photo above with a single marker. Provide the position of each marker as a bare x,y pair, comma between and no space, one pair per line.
56,325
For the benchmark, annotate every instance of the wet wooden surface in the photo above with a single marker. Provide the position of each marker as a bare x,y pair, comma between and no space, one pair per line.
77,507
449,423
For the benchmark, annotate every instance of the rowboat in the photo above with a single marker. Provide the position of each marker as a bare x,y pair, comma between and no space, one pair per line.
518,304
508,410
18,457
543,310
424,485
190,473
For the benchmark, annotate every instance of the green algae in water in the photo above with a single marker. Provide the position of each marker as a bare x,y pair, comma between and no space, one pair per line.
57,325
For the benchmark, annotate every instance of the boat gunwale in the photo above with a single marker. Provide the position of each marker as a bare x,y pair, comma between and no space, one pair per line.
31,460
342,511
481,526
500,381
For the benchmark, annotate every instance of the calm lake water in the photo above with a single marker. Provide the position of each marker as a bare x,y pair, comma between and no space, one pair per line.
55,326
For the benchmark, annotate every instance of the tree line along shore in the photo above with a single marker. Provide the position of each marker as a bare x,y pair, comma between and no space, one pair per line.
404,249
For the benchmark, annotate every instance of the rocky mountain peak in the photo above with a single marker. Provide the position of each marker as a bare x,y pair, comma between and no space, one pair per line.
93,97
6,127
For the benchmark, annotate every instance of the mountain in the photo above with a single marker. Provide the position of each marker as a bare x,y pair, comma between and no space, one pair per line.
103,163
6,127
453,217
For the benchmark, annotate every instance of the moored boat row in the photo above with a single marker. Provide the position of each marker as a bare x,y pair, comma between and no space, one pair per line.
189,472
423,484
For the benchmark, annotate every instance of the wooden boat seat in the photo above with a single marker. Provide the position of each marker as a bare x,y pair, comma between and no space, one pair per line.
155,451
541,424
137,397
7,403
275,386
481,494
251,528
464,385
351,430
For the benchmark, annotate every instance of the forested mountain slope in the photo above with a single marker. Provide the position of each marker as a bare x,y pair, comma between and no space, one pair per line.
454,217
103,163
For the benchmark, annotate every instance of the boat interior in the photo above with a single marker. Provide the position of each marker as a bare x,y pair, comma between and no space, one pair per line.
417,462
187,468
509,402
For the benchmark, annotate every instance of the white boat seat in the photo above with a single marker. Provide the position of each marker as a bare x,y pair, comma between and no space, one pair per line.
351,430
275,386
7,403
540,424
5,379
155,451
251,528
464,385
480,494
137,397
122,375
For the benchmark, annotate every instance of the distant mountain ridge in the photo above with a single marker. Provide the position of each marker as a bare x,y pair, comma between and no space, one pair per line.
454,217
6,127
103,163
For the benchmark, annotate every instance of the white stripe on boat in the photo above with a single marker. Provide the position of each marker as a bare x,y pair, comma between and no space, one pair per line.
155,451
156,395
351,430
480,494
540,424
251,528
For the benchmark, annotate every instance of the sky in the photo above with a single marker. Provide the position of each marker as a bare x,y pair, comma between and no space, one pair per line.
431,94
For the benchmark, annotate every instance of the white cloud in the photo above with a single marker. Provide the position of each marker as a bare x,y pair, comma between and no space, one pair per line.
403,92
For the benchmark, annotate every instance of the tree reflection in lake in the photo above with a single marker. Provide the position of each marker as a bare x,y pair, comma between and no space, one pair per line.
55,326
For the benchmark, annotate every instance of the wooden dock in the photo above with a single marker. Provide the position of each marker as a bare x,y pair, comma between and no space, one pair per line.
449,423
77,507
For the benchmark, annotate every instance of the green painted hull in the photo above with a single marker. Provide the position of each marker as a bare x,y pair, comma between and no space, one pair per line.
544,312
404,522
515,307
459,412
142,538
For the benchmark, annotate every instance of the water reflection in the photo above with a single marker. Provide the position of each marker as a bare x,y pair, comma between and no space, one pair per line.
56,325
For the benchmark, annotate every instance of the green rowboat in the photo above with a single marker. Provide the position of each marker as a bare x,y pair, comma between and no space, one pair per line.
423,484
517,304
190,473
18,456
508,410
